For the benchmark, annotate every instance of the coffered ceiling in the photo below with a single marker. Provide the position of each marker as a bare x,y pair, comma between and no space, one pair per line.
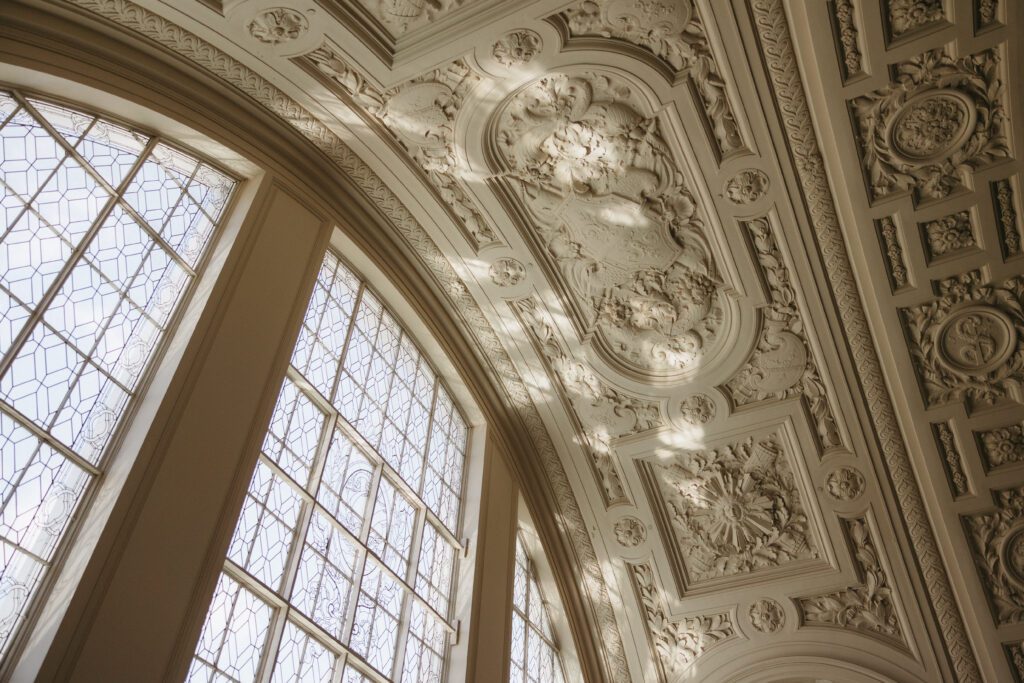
751,274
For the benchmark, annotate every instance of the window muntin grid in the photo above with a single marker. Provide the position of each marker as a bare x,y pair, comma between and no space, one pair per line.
535,656
340,535
89,284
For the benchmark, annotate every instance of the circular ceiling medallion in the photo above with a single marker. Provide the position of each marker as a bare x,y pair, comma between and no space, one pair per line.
932,125
630,532
1012,554
976,339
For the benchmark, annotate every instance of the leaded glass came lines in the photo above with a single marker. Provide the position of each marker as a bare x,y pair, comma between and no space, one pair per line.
102,229
346,532
534,655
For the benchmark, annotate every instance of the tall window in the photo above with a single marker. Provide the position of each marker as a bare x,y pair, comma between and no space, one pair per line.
103,230
341,564
534,654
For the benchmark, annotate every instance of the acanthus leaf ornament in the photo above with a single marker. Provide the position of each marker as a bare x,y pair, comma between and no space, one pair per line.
968,344
420,115
939,119
997,542
866,607
673,31
603,413
781,366
732,510
608,203
676,643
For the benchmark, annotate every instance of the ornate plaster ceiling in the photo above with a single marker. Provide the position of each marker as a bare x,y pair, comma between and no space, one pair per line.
750,273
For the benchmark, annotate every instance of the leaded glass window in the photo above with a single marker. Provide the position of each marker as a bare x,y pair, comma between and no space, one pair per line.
534,654
102,231
342,563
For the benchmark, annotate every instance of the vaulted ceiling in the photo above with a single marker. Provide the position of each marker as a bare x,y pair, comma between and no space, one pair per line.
750,273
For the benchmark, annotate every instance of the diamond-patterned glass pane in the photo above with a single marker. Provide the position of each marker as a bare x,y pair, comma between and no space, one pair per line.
266,526
85,295
233,636
434,569
375,629
302,658
424,649
534,657
391,527
394,449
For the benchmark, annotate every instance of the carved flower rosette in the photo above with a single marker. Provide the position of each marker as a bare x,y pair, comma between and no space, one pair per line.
733,510
613,220
967,344
941,118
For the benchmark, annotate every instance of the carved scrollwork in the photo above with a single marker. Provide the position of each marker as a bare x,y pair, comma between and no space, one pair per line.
867,607
733,510
781,366
673,31
997,541
603,413
420,114
609,205
940,118
677,643
967,343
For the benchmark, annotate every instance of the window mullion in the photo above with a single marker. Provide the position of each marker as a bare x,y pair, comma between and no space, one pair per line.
65,272
348,337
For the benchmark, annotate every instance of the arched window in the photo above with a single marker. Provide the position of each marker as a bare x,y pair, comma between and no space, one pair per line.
535,658
342,561
104,230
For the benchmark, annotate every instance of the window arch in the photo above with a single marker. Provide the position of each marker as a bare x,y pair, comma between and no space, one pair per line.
343,558
104,230
535,656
